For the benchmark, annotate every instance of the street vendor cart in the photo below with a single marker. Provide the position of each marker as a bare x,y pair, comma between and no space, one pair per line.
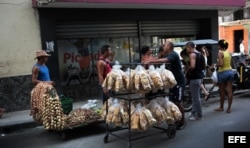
140,102
56,114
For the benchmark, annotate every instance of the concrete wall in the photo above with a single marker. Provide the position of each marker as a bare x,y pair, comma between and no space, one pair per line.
20,37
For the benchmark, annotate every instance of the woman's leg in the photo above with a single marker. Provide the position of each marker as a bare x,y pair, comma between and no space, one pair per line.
222,96
230,95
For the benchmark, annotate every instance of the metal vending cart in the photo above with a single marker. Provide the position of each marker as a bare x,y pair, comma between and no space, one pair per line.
130,97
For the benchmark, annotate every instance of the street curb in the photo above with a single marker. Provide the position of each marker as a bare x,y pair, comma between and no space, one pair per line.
18,120
18,126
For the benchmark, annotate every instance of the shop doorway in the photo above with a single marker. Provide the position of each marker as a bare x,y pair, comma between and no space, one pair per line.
238,37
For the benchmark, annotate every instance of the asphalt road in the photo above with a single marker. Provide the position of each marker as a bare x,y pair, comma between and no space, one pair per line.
205,133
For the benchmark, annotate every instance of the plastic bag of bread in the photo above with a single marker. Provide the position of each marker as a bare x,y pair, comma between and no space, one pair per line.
114,115
124,110
109,81
115,79
141,119
156,77
119,86
137,81
125,80
110,113
135,118
118,113
130,85
119,83
142,80
146,82
151,120
105,105
168,78
158,112
143,122
173,112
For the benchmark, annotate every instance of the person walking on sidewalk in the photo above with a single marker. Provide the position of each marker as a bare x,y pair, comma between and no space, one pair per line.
195,72
205,53
40,71
103,68
173,58
225,75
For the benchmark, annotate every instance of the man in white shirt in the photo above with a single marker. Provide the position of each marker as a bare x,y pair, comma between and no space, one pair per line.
242,48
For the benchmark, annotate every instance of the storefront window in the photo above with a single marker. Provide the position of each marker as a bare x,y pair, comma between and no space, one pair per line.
74,61
78,57
156,41
125,49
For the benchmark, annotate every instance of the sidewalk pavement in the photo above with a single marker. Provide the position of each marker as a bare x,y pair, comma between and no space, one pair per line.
21,119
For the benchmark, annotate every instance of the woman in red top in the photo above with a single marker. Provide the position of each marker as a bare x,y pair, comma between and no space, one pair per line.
104,67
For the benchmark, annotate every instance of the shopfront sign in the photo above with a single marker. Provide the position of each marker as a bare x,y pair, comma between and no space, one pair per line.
77,61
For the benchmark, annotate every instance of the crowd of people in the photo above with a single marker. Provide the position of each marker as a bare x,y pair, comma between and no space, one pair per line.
173,58
195,59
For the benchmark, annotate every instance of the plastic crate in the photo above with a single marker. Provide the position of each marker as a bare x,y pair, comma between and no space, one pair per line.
67,104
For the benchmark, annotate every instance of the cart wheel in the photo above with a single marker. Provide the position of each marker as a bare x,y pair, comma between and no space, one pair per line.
171,131
187,103
105,139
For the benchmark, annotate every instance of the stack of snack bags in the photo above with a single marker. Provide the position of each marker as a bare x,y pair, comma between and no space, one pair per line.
117,113
142,81
141,119
167,76
158,112
116,80
173,112
156,77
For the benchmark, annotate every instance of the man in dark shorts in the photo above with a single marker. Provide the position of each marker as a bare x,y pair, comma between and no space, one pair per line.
173,58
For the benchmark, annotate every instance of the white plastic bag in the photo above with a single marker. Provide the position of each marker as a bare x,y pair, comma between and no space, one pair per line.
214,77
90,105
